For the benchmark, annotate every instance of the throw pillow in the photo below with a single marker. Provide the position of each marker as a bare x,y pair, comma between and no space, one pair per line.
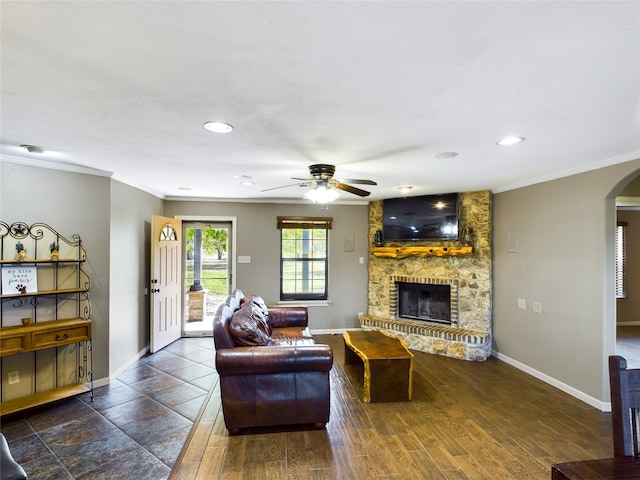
247,329
257,302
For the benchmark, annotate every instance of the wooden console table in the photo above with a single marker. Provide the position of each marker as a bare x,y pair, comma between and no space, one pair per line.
388,365
618,468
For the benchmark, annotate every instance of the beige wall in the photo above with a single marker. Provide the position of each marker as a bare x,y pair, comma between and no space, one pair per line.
566,232
130,241
628,309
71,203
259,238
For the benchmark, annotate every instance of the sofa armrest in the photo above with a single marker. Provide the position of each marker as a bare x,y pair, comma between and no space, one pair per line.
280,317
267,360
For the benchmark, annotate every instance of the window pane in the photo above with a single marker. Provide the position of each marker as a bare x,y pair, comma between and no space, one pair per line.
303,264
620,262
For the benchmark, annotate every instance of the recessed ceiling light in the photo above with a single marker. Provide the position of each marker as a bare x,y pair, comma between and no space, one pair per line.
247,183
185,189
218,127
445,155
506,141
32,148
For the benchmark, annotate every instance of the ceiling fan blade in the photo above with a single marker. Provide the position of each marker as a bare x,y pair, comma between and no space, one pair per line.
359,182
284,186
350,189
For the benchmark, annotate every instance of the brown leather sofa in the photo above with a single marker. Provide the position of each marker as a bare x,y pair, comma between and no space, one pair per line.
271,370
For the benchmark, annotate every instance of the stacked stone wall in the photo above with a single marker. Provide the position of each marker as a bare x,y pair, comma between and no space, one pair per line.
473,272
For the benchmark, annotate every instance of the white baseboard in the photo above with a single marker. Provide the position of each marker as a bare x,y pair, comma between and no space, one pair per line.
332,331
107,380
594,402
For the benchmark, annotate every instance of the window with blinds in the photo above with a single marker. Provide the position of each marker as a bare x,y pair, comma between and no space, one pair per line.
304,257
621,261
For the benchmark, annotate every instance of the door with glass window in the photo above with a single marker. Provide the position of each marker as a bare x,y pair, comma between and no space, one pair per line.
165,282
207,274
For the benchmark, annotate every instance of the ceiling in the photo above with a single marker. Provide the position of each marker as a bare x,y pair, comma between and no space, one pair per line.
378,89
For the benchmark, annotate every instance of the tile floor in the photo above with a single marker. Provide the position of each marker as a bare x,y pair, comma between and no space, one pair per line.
134,428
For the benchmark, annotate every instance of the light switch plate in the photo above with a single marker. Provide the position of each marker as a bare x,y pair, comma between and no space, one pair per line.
13,377
244,259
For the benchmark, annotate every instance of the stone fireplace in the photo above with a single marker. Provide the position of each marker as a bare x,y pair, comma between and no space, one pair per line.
447,288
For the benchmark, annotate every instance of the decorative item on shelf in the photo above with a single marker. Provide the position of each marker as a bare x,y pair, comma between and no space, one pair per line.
54,251
22,253
26,321
378,241
467,237
19,279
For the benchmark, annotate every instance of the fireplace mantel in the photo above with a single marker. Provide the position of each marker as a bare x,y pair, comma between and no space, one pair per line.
429,251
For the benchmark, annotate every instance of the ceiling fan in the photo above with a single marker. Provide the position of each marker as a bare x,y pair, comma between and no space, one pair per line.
322,180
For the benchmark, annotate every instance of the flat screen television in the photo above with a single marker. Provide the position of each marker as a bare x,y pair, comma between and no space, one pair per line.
425,217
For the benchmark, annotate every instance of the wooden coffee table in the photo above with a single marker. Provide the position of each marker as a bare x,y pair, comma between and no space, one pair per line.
618,468
388,365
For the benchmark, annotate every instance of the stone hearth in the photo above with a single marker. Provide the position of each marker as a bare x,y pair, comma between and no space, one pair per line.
469,334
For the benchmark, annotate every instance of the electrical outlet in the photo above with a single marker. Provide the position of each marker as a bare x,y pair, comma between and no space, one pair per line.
522,303
536,307
13,377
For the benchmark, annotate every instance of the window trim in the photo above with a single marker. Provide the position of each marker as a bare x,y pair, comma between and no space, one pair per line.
305,223
621,260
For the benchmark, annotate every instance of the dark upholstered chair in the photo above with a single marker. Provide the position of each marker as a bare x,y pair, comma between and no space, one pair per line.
625,407
9,468
625,415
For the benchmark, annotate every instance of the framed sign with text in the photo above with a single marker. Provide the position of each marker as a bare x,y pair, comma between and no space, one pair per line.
19,279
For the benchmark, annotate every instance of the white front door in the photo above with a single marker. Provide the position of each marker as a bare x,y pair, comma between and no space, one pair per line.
166,284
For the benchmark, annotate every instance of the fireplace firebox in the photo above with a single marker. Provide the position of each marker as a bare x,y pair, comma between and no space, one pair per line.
423,301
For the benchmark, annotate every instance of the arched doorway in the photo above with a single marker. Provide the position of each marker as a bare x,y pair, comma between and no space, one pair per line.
627,318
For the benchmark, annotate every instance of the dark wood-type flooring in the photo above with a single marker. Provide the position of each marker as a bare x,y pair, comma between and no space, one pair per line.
467,420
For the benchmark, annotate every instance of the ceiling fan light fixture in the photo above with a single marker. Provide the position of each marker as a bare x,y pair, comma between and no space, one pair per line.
405,189
218,127
322,195
506,141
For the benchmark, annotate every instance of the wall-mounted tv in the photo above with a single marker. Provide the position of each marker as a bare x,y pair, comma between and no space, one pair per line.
425,217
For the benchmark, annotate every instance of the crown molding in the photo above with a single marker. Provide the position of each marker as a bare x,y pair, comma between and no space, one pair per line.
294,201
629,157
72,168
53,165
144,188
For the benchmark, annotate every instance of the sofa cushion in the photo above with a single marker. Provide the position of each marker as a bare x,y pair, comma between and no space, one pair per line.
257,301
247,327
